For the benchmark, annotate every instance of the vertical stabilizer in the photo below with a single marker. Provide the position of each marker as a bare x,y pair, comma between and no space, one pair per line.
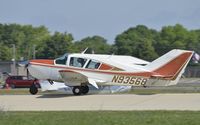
171,65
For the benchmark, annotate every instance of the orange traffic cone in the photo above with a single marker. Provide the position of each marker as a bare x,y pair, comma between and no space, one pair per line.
7,86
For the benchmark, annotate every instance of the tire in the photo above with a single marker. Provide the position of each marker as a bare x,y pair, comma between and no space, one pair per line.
12,85
33,89
77,90
85,89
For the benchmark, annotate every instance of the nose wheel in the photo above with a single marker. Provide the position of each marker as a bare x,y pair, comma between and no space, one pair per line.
33,89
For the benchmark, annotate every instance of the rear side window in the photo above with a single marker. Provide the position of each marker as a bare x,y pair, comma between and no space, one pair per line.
16,77
19,77
13,77
24,78
92,64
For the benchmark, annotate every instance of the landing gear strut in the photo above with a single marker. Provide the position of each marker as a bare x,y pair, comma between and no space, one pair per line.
78,90
50,81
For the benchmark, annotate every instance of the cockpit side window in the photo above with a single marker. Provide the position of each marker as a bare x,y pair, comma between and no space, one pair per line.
93,64
62,60
77,62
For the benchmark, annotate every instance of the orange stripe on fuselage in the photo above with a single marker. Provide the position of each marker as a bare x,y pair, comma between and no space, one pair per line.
43,61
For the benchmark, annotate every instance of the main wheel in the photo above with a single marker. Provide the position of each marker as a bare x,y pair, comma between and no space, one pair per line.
77,90
85,89
33,89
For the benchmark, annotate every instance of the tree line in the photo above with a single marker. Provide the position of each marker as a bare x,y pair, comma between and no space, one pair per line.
139,41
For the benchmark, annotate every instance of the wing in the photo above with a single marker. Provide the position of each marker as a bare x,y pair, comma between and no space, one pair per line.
45,86
77,77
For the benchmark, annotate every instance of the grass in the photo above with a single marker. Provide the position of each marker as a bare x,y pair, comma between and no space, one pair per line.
101,118
14,91
24,91
146,91
164,90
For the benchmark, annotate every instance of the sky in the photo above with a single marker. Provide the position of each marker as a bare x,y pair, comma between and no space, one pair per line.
106,18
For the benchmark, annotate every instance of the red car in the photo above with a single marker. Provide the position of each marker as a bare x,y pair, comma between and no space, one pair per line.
20,81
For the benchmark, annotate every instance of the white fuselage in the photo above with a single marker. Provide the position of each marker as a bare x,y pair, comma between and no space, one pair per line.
77,69
52,73
42,70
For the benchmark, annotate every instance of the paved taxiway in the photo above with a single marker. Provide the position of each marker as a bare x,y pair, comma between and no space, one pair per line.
100,102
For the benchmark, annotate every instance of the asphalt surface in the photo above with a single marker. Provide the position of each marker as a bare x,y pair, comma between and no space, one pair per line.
98,102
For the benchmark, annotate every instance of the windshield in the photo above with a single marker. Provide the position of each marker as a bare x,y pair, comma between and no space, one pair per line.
62,60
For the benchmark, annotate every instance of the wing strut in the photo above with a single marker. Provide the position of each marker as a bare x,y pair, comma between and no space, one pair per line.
92,82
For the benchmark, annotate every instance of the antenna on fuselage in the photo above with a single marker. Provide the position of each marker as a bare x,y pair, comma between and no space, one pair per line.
111,55
83,52
92,51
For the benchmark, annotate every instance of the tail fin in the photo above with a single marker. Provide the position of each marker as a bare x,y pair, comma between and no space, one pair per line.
171,65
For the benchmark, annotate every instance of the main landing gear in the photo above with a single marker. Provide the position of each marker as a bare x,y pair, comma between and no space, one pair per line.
78,90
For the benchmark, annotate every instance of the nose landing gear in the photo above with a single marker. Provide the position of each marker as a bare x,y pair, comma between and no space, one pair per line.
33,89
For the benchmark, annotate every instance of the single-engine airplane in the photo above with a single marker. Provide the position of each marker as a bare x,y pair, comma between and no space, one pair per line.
79,70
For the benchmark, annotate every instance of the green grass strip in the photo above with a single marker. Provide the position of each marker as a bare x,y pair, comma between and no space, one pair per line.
101,118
